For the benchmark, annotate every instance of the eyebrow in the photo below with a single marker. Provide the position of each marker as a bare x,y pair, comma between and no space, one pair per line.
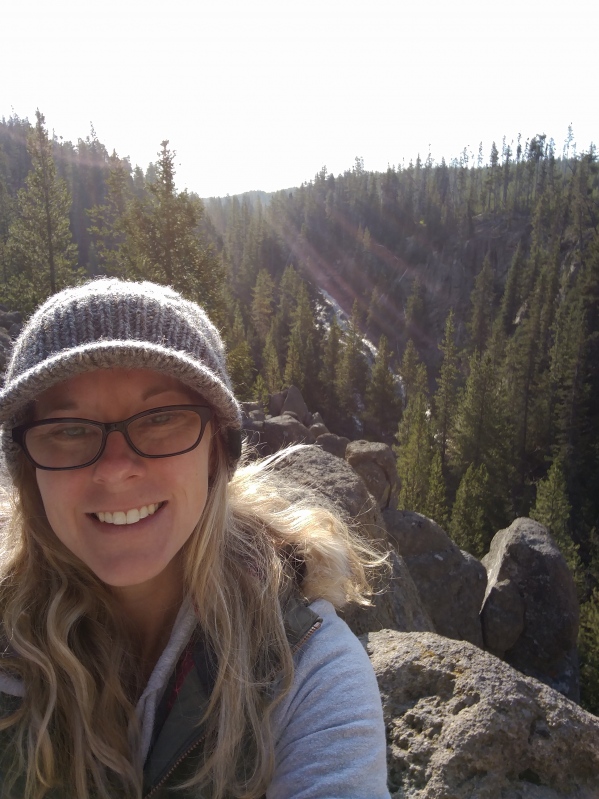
59,405
155,391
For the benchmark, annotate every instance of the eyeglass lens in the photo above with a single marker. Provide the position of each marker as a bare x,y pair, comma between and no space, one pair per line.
60,445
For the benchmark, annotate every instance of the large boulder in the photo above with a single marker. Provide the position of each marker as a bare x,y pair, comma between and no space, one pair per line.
395,607
336,445
451,583
336,483
461,724
530,613
375,463
280,431
294,402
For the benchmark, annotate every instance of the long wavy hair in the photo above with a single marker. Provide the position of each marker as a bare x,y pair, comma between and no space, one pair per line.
76,727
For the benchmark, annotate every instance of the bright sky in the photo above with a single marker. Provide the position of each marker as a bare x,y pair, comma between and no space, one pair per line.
260,94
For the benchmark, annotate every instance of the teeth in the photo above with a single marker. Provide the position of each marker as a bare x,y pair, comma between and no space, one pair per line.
128,517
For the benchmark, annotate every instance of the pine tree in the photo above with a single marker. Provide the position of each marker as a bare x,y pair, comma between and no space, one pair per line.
329,401
271,366
415,324
163,243
106,229
414,452
482,433
353,369
553,509
409,371
302,362
239,359
40,252
382,405
469,526
445,399
436,499
482,299
588,650
511,299
262,303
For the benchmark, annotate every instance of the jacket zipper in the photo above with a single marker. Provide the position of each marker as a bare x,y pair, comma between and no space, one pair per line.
300,643
309,634
173,767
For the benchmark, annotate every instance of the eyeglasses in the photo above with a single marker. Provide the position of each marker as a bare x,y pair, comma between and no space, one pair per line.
57,444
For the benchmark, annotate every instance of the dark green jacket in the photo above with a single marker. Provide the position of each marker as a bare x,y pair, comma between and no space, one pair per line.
177,744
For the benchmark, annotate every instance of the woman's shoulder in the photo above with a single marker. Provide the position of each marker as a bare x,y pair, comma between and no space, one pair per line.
329,730
334,640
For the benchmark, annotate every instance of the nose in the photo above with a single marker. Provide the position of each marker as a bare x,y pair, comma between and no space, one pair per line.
118,461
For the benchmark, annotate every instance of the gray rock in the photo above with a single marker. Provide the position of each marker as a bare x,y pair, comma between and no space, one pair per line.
530,612
461,724
396,607
279,431
257,415
295,402
275,403
317,418
248,407
335,445
451,583
318,430
336,482
375,463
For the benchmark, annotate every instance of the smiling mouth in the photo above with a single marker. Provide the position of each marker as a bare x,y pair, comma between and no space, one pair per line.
127,516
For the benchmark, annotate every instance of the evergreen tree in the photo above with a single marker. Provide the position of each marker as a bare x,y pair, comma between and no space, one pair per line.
414,453
552,509
302,363
106,230
436,499
239,359
352,372
40,253
588,650
482,299
409,371
382,405
445,399
415,313
271,366
329,401
469,526
262,303
163,243
511,299
482,434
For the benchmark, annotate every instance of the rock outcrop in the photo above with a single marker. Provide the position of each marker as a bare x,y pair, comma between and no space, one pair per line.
375,463
336,482
461,724
451,583
530,613
397,607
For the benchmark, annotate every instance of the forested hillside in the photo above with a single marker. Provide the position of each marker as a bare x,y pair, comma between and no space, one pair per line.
477,280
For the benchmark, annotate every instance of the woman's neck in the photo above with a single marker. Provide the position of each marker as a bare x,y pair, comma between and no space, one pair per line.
149,612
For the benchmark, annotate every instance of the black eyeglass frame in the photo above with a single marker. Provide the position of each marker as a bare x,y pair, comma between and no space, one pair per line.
18,433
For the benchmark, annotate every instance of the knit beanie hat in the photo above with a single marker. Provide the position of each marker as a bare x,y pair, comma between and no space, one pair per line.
109,323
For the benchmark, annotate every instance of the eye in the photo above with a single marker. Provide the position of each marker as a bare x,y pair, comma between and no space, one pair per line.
158,419
72,431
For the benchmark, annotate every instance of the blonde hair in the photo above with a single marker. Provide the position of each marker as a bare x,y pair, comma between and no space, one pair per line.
76,727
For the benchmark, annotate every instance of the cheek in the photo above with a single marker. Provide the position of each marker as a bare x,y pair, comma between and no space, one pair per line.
58,499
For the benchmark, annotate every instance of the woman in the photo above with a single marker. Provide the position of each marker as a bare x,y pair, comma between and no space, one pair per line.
167,619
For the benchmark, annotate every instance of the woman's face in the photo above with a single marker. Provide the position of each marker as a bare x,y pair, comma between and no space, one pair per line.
120,481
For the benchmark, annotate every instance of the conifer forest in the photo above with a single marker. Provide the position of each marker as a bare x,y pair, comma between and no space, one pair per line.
467,325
